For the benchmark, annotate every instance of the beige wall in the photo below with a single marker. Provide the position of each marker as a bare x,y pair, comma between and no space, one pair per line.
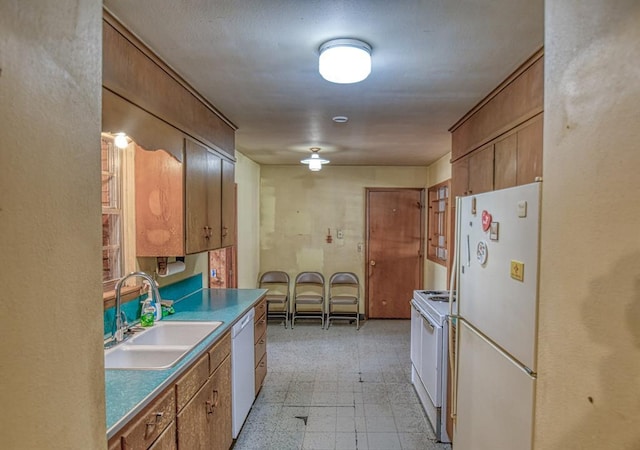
589,327
435,275
297,207
248,181
52,389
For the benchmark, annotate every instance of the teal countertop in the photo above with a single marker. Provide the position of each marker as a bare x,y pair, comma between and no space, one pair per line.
127,392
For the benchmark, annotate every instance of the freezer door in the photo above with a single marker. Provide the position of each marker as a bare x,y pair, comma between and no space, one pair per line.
500,306
495,397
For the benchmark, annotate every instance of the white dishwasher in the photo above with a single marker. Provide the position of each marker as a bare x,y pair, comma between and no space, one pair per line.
242,370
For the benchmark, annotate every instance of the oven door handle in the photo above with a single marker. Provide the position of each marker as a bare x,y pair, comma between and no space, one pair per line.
431,325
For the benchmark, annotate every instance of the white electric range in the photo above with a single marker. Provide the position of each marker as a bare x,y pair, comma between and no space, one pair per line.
429,354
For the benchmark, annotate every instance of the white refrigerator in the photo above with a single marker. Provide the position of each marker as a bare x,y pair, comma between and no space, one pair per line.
497,280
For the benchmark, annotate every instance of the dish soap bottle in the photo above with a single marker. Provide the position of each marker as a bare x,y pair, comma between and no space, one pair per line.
147,316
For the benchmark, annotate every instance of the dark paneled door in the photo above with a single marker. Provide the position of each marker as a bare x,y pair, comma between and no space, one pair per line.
395,236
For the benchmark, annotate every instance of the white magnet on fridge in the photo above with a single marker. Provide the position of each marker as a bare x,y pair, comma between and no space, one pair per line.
522,208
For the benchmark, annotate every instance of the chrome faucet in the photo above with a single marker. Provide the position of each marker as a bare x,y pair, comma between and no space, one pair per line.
119,324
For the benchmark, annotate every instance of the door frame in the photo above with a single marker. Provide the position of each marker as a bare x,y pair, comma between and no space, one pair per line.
423,224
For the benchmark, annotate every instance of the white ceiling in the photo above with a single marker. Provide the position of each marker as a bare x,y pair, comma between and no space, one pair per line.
256,61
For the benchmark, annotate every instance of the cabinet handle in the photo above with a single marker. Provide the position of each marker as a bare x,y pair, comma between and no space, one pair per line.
262,364
150,426
261,341
209,407
125,444
225,231
206,233
215,398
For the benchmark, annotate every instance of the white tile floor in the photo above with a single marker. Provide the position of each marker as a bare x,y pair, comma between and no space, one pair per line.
338,389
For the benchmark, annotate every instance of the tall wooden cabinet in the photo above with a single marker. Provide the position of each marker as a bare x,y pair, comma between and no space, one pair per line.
228,204
203,190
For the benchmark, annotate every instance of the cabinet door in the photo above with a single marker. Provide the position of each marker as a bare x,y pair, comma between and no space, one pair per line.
506,162
530,151
195,428
159,204
203,174
214,200
196,169
228,204
459,178
167,440
481,170
220,416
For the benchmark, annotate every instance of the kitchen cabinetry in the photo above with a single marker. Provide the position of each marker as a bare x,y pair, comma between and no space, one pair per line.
498,144
147,427
204,422
193,413
203,198
474,173
518,157
260,336
228,204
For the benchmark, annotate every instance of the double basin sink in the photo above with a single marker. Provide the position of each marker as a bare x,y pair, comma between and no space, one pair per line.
159,347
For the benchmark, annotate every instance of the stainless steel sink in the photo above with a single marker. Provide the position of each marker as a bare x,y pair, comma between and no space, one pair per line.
159,347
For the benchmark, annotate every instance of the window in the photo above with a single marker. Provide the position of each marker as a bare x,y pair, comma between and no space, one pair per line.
118,211
438,238
112,217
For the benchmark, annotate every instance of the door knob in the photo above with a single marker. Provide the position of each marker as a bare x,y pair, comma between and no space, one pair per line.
372,262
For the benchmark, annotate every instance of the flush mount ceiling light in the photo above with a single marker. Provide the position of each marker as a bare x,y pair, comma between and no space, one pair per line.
345,61
315,162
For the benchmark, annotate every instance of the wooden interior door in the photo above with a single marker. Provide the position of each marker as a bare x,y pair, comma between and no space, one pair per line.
395,236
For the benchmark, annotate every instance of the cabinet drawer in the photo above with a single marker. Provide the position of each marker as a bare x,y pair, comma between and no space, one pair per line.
260,309
189,383
261,348
167,440
149,424
219,352
261,372
260,327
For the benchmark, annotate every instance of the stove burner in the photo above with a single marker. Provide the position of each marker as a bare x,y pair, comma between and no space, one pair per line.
439,298
434,292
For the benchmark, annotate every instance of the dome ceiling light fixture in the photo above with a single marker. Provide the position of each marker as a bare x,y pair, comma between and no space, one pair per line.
314,161
345,61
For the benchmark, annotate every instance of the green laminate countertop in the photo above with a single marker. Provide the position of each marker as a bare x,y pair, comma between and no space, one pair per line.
127,392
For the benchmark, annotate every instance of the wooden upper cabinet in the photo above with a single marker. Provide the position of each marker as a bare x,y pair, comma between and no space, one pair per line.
228,203
498,144
159,204
506,162
530,151
203,184
481,171
135,72
516,100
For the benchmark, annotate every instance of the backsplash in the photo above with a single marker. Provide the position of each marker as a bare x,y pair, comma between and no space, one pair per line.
175,292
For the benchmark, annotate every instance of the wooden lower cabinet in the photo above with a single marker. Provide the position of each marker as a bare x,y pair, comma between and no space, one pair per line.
205,423
260,338
167,440
193,413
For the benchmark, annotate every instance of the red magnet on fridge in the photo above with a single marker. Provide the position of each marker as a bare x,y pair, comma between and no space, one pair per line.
486,220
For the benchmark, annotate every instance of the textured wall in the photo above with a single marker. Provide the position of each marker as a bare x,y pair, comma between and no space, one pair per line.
248,181
297,207
589,328
51,360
